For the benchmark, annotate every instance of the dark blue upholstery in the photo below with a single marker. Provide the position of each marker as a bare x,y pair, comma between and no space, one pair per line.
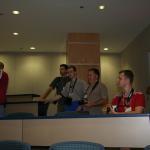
14,145
147,147
71,113
76,145
19,115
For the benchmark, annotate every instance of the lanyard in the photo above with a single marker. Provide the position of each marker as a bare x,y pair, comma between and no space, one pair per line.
72,86
127,100
93,88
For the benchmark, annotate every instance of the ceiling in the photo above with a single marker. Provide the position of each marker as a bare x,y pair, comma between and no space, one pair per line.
45,23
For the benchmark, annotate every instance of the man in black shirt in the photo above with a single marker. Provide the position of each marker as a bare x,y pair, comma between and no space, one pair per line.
58,83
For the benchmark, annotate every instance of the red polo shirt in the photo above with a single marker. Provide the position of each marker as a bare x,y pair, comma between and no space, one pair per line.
136,100
3,87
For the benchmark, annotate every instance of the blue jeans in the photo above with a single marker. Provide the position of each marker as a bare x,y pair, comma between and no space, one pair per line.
2,111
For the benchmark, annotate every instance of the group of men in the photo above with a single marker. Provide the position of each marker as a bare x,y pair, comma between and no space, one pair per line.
74,94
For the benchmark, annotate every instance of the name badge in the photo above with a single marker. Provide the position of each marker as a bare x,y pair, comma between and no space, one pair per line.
85,96
70,95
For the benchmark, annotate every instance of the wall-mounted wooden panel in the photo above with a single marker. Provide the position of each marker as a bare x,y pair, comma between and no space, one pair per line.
83,37
83,51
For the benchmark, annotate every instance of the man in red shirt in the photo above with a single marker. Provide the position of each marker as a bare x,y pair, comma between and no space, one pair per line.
129,101
3,88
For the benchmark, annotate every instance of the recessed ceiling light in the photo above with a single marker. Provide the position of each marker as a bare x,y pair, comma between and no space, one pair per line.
15,12
15,33
32,48
106,49
101,7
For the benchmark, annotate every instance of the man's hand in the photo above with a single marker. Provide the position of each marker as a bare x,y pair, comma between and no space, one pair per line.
53,100
39,99
111,110
89,104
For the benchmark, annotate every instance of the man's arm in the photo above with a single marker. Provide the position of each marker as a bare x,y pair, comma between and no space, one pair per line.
103,98
47,92
6,83
57,97
93,103
138,110
139,105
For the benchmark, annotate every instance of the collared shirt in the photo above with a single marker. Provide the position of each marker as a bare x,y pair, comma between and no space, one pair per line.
98,94
77,93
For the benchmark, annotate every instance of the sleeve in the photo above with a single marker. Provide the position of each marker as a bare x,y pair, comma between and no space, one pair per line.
65,91
6,83
54,83
140,100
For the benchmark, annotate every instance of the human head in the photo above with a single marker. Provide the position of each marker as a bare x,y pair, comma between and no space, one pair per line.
125,78
93,75
1,66
72,72
63,69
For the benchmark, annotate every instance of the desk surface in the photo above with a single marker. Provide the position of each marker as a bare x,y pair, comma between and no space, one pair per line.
109,130
11,130
120,131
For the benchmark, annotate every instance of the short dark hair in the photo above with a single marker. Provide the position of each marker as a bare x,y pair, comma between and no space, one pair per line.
95,71
72,67
129,74
1,65
64,65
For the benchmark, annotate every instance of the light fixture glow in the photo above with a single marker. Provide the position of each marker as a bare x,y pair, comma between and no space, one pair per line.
101,7
32,48
106,49
15,33
15,12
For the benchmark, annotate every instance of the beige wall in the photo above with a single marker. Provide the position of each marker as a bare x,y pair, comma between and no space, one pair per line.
110,66
135,57
31,73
